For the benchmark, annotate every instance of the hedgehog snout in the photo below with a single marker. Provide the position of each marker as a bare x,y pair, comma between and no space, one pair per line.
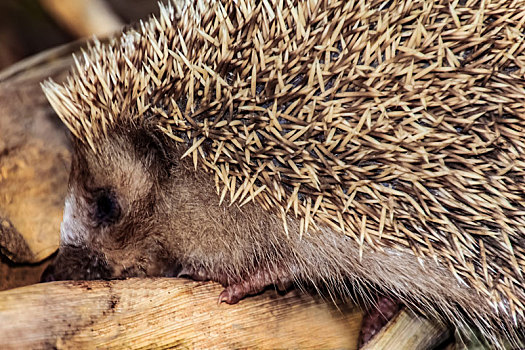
76,263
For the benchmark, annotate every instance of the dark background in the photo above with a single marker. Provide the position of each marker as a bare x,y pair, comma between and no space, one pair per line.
27,28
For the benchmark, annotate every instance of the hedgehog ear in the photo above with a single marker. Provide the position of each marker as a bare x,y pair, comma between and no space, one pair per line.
154,149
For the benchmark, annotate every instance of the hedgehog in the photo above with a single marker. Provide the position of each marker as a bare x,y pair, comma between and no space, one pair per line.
344,145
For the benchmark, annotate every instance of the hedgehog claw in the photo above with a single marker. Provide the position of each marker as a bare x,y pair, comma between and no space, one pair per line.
232,294
222,298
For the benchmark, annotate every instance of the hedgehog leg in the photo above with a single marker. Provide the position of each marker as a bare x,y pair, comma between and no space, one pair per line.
233,292
254,284
377,317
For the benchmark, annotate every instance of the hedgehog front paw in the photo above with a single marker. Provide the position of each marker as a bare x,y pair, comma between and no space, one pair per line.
235,292
377,317
252,285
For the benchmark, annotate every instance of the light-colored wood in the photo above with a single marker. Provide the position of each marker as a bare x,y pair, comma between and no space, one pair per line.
408,331
165,313
84,17
32,207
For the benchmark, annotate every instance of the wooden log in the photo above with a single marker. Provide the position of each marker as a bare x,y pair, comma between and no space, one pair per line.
177,313
165,313
408,331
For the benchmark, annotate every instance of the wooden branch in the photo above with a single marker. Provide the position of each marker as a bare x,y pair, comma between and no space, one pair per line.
84,17
408,331
165,313
162,313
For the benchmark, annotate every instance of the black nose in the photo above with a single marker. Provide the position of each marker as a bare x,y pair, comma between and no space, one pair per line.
48,275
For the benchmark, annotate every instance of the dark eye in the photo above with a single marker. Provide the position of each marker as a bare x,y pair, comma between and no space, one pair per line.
106,208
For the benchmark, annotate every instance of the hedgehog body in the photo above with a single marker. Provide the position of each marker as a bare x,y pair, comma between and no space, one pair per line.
347,144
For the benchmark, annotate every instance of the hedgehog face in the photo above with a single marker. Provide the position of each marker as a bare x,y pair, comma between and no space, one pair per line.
111,226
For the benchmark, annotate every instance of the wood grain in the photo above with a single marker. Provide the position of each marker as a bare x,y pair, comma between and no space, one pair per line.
408,331
165,313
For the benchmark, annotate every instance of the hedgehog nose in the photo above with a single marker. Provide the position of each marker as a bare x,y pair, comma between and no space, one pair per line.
48,274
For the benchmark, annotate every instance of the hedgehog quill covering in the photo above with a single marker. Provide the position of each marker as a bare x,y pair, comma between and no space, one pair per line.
397,124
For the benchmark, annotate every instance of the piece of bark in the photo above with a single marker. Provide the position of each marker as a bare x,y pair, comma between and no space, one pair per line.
32,193
165,313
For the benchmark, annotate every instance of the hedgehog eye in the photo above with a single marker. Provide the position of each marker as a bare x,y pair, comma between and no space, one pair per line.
106,208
